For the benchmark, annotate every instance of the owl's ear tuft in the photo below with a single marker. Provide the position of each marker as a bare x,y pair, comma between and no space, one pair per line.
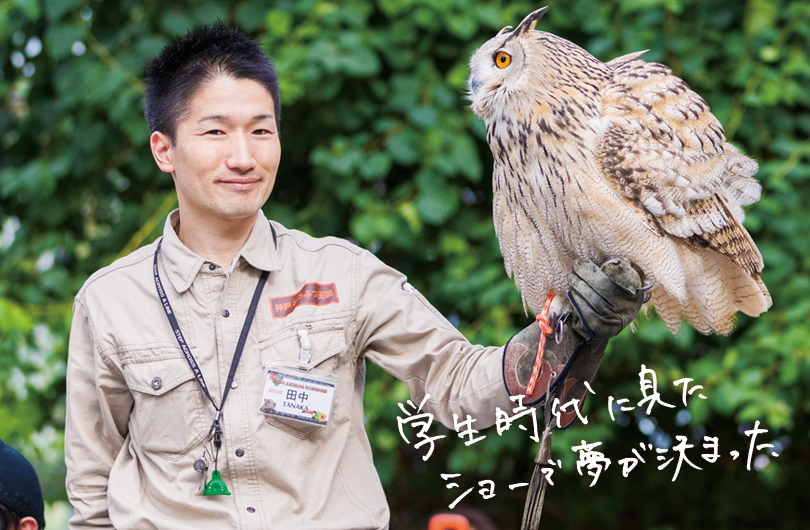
507,29
530,21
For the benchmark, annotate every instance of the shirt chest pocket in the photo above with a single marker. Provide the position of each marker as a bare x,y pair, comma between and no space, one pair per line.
327,347
168,417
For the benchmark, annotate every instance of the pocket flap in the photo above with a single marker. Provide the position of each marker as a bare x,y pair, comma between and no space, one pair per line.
327,340
157,376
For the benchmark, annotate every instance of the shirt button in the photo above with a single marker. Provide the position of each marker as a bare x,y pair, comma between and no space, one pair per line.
234,384
251,509
212,267
240,452
226,313
157,383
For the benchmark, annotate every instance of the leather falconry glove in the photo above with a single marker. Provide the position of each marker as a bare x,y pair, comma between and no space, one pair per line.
600,303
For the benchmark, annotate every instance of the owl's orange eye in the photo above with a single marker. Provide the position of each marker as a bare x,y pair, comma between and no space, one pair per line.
502,59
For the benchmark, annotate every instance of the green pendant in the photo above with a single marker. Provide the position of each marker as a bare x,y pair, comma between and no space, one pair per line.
216,486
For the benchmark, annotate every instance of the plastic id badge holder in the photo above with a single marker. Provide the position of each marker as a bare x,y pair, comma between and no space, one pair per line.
298,392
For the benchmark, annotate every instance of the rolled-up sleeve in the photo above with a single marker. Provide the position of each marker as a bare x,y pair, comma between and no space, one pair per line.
98,408
399,330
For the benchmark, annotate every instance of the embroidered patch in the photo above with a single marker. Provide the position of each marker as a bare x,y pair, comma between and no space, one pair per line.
310,294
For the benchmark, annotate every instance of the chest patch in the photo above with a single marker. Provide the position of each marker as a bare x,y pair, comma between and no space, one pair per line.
310,294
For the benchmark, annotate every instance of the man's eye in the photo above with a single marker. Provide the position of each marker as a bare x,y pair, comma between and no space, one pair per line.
262,131
216,132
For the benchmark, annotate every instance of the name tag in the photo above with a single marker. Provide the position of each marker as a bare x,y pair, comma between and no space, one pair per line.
299,395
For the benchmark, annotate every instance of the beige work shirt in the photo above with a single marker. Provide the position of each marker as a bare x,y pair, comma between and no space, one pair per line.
137,418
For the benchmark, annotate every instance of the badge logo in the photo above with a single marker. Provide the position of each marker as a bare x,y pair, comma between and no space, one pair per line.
310,294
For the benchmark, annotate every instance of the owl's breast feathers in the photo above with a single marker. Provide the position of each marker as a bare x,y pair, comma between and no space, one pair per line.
541,129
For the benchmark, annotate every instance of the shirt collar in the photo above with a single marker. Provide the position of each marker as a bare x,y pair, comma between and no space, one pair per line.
182,265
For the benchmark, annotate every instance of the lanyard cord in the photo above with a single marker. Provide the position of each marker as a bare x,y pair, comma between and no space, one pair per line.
195,368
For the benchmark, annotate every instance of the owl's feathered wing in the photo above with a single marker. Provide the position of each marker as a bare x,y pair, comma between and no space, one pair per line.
667,156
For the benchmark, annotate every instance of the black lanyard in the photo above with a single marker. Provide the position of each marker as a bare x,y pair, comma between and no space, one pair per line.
195,368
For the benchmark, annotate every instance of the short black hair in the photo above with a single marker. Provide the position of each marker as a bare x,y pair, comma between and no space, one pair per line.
203,53
8,519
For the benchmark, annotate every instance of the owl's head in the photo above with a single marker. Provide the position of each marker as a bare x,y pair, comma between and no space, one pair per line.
522,67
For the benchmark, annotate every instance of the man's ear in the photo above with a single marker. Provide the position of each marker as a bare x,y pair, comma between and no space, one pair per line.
28,523
161,149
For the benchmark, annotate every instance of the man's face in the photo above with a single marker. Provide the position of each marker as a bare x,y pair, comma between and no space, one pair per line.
226,150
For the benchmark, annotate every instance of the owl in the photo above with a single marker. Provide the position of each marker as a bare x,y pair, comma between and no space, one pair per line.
620,159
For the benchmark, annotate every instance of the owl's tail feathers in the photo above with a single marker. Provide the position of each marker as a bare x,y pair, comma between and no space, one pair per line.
716,289
758,301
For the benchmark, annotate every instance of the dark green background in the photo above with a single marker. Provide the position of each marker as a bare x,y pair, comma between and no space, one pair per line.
380,147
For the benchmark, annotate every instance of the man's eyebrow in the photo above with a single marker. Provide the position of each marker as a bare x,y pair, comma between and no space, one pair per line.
219,117
213,117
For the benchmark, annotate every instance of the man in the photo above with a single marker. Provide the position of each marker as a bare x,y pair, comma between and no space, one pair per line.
21,504
216,377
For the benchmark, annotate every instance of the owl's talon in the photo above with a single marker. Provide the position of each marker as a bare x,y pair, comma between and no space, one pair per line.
646,288
553,316
557,317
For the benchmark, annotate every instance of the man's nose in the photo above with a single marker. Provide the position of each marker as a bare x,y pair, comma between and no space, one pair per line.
240,157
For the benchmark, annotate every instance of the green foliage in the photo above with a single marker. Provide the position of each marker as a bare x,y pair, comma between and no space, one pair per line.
380,147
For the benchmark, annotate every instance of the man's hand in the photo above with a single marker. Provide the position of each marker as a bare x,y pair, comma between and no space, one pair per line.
600,303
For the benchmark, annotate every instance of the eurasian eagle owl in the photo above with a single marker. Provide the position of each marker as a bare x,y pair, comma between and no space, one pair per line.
620,159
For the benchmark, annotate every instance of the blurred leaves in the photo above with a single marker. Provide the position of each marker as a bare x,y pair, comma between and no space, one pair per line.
380,147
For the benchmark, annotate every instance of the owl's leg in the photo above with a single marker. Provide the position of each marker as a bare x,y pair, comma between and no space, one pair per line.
556,311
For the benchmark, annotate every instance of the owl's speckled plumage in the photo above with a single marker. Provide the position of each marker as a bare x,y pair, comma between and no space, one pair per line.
619,159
